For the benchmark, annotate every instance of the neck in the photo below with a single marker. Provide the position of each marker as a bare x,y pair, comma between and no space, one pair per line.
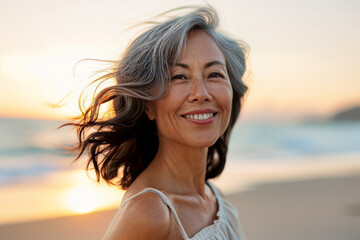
184,165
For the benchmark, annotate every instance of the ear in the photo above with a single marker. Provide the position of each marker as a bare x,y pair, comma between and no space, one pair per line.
150,110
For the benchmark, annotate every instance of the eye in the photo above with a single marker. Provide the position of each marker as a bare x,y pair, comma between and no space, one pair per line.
178,77
216,75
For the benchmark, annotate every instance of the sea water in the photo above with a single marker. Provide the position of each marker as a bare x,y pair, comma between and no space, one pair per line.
266,141
31,148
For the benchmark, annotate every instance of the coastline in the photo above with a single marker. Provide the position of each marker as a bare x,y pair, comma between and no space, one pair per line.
64,193
313,209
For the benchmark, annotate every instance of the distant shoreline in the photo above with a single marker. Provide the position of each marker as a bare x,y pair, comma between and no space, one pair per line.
348,114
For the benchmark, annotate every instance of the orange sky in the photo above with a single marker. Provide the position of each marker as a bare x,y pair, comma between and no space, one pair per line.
304,55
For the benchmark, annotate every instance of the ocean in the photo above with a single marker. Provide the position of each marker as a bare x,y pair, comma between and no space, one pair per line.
30,148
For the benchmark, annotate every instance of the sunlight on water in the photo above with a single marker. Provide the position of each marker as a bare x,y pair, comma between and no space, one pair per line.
57,194
83,199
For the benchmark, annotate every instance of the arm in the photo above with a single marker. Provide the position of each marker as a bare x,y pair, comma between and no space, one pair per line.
143,217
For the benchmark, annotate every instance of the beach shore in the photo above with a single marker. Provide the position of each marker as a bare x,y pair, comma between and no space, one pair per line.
312,209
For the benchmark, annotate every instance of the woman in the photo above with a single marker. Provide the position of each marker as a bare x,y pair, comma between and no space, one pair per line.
178,94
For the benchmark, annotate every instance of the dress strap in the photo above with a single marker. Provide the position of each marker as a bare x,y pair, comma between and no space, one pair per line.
165,201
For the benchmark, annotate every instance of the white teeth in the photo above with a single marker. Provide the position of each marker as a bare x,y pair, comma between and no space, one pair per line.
203,116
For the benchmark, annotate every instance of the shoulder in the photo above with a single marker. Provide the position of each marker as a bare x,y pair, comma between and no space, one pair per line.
143,217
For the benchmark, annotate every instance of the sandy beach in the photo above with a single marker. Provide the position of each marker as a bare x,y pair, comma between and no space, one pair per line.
312,209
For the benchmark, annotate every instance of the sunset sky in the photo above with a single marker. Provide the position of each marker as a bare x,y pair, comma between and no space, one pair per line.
305,54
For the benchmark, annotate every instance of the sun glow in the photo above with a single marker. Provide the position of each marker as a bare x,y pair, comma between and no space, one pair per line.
83,199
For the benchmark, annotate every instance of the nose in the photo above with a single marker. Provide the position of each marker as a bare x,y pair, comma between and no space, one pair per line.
199,91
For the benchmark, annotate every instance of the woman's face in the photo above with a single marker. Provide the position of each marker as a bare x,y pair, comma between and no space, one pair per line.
197,109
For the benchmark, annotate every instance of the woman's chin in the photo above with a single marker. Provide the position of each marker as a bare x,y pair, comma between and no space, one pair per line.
203,144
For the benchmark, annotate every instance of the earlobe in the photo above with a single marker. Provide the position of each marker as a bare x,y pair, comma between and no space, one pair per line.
149,111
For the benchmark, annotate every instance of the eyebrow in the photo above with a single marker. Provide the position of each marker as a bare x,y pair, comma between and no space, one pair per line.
207,65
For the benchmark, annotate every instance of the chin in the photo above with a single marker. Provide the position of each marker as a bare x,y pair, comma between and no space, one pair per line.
205,144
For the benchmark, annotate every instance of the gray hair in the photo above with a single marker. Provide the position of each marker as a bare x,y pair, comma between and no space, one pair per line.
145,69
128,140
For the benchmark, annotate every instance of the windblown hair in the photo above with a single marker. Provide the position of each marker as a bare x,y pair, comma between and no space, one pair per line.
120,147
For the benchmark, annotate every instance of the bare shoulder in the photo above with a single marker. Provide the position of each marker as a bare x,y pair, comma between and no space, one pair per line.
143,217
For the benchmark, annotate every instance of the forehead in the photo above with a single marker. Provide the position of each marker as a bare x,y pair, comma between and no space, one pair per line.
201,46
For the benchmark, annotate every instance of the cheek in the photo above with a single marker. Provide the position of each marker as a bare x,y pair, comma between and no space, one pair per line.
169,105
227,101
165,111
224,95
228,97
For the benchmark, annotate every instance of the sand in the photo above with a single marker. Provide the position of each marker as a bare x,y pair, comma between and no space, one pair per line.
316,209
312,209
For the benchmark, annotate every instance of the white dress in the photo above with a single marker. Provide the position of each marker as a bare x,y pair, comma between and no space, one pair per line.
225,227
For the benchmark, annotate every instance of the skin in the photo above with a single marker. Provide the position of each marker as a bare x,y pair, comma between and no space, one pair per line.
199,81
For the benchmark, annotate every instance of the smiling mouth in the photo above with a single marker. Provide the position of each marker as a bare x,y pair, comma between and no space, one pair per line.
202,116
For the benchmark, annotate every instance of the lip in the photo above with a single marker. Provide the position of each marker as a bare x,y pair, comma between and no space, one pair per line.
200,121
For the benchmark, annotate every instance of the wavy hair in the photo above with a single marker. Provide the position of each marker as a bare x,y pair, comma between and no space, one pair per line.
121,146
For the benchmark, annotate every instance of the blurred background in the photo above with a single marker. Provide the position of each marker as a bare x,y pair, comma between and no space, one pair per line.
294,159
